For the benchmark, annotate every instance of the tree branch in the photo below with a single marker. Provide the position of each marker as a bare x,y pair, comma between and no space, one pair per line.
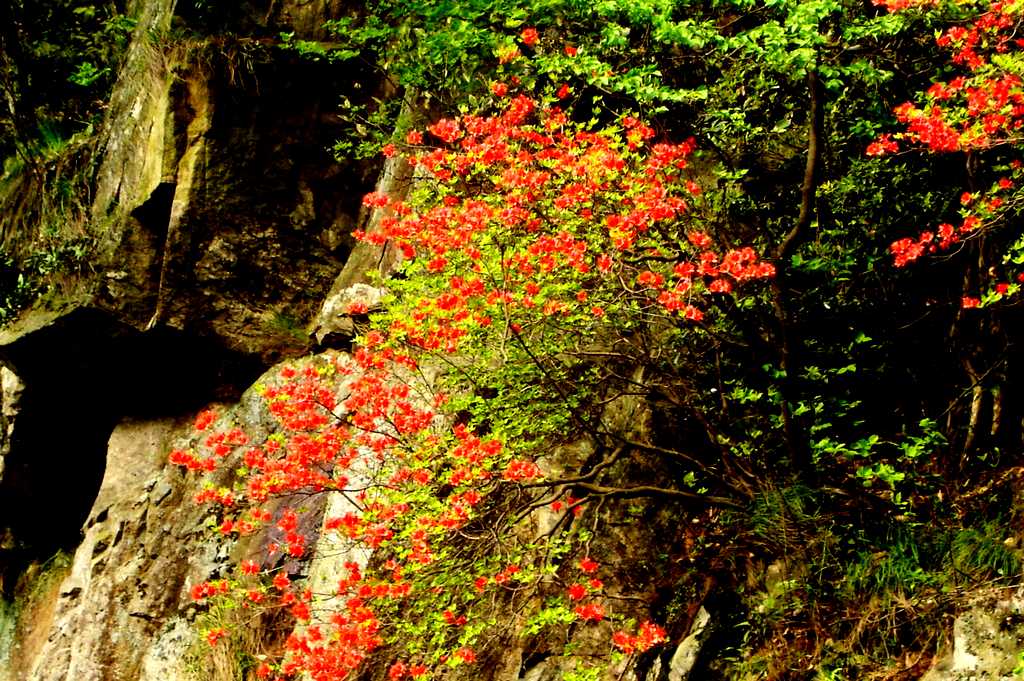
796,440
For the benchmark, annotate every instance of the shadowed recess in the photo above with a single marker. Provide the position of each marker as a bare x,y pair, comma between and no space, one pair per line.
84,373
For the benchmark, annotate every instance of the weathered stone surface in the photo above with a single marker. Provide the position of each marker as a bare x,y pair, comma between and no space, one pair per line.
395,182
987,642
234,233
217,208
685,657
220,220
11,388
131,566
108,371
336,319
124,612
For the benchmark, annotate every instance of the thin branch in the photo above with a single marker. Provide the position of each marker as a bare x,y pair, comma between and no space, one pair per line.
662,492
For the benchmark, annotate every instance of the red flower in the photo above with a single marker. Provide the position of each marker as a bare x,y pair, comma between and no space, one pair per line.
529,36
563,91
593,612
205,418
623,641
882,146
720,286
967,302
281,581
215,635
577,591
588,565
699,239
650,635
570,50
446,130
451,619
301,611
650,279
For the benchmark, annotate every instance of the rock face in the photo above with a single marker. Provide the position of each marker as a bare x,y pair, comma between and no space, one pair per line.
222,230
83,371
136,554
11,388
220,220
218,209
987,641
124,609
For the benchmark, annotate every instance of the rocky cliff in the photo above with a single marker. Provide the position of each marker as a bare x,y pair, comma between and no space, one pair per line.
222,251
219,220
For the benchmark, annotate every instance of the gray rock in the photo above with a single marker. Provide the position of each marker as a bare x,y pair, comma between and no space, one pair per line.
685,657
987,642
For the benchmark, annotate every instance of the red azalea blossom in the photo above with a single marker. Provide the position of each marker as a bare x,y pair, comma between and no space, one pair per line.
648,636
882,146
650,279
580,260
215,635
205,419
593,612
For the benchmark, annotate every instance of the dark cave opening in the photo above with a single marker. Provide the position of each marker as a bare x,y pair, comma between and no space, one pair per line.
82,375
